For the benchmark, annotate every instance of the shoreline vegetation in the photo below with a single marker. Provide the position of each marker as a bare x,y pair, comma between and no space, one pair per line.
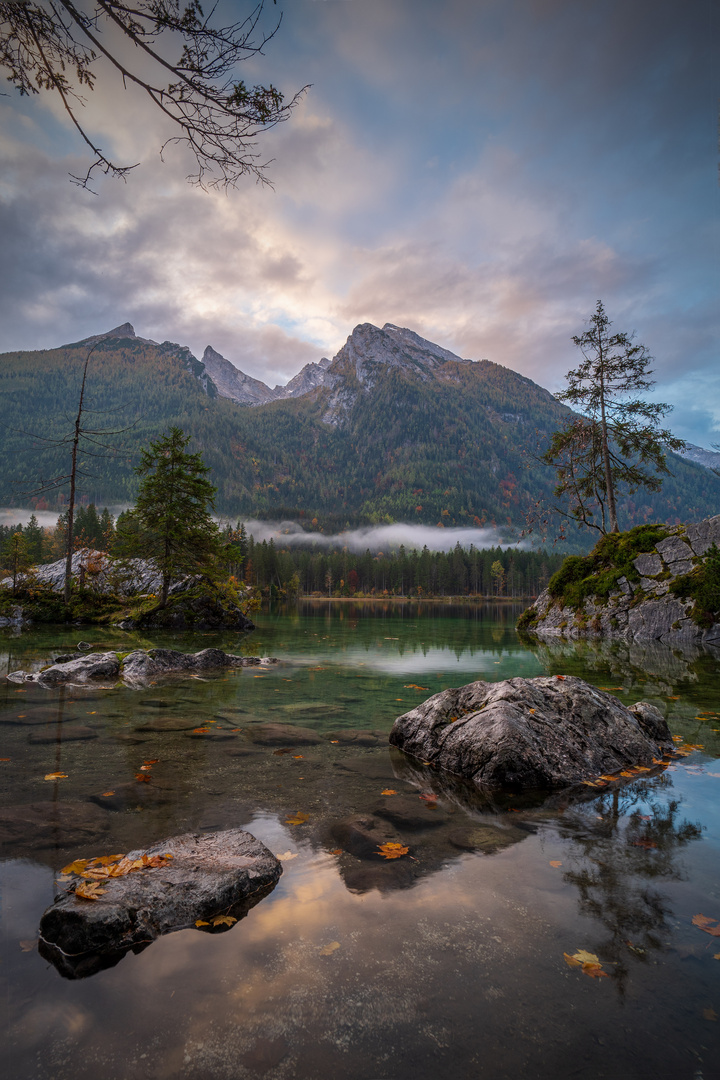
244,574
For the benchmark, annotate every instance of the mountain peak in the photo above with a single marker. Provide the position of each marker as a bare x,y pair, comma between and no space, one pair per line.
125,329
233,383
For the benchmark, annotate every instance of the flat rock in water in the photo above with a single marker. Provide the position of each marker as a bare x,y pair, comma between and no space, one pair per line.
212,878
548,732
67,733
410,812
169,723
132,794
282,735
48,824
356,737
485,838
312,708
137,667
36,717
363,835
370,766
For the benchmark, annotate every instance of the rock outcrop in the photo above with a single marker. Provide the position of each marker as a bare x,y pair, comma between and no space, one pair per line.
644,609
206,881
135,667
546,733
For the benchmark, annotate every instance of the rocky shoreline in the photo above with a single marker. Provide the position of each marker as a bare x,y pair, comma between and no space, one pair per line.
646,605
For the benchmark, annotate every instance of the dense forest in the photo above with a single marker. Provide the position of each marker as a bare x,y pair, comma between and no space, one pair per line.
277,569
459,448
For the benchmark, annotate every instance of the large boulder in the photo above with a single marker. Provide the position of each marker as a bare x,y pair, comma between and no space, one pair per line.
545,733
136,667
209,882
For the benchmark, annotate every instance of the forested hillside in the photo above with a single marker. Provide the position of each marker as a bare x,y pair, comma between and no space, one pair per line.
455,445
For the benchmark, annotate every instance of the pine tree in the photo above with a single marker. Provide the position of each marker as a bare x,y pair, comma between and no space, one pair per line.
15,556
171,521
34,538
617,444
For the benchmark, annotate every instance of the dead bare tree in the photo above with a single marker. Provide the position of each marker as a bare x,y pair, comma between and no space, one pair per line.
75,439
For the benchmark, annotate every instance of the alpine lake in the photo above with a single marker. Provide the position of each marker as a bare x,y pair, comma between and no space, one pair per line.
455,959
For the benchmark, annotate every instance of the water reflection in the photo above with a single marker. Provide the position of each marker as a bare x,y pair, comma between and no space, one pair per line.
652,666
448,959
621,845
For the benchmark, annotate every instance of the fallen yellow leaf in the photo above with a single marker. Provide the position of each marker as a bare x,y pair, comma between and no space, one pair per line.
326,950
56,776
223,920
555,863
297,819
201,922
91,891
584,957
388,791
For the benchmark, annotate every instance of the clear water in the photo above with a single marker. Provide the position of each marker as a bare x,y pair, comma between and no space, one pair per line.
445,962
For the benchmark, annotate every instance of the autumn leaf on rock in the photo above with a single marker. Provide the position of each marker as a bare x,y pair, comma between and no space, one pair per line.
297,819
201,922
388,791
392,851
223,920
106,794
142,778
76,867
56,776
555,863
91,891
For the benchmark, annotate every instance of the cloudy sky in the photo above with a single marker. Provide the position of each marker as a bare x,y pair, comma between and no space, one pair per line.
481,171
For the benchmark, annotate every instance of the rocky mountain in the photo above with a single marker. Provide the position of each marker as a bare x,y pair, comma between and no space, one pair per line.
392,428
709,458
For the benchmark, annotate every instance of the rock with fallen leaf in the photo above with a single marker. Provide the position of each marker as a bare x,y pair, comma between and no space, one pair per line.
113,903
546,732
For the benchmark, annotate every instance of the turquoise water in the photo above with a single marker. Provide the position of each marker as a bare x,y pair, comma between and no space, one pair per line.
446,961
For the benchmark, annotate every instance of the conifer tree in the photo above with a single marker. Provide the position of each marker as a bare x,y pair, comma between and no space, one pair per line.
617,443
171,521
16,559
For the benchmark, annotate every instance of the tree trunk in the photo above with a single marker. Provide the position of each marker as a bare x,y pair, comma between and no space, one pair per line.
609,488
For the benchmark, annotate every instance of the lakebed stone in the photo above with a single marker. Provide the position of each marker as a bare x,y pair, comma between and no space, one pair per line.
282,735
136,667
30,827
545,733
212,878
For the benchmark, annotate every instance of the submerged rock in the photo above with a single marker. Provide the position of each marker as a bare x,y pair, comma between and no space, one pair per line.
31,827
212,879
543,733
136,667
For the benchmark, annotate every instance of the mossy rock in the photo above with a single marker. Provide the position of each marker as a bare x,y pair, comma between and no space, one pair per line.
598,574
